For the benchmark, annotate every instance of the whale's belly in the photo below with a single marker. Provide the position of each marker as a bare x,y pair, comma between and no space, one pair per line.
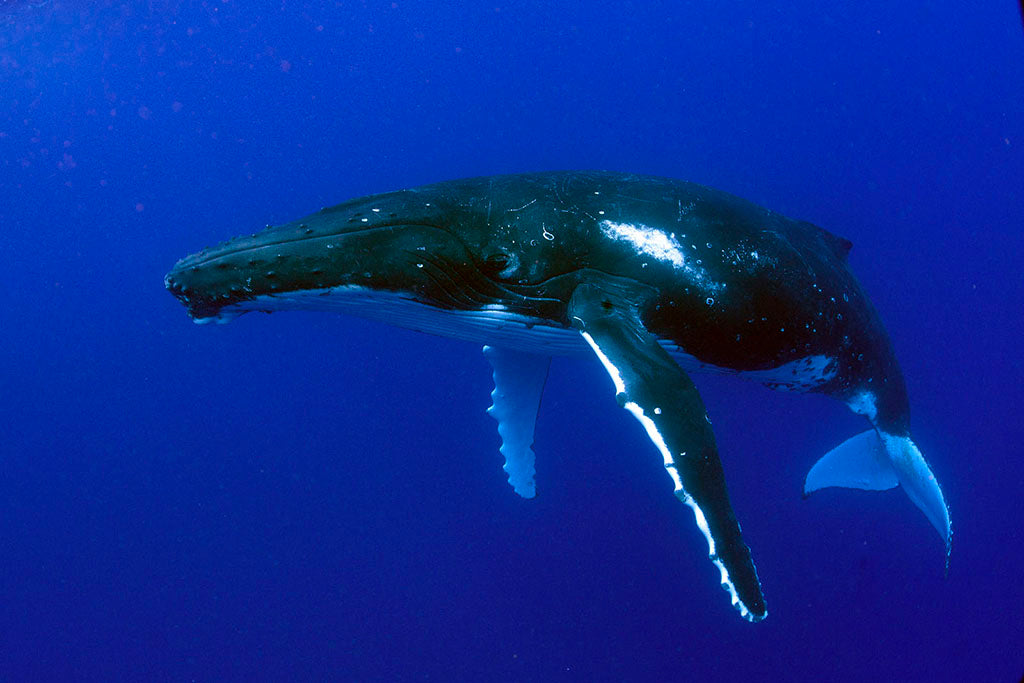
494,325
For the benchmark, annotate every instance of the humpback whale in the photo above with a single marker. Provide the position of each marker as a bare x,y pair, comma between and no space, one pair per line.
654,277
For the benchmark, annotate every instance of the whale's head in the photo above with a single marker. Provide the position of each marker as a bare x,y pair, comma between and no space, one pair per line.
408,246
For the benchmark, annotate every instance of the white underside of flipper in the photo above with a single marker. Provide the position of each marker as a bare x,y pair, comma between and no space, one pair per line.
518,384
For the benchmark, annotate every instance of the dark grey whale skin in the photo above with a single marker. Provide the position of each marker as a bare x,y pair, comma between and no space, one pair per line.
629,262
526,241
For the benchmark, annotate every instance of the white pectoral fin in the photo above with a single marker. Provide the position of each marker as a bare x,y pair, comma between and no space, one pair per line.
876,461
518,384
860,462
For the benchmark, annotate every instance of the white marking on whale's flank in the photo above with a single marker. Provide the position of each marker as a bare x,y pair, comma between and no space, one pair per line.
647,240
801,374
664,247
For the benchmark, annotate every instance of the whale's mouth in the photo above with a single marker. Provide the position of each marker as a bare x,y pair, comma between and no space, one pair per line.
487,324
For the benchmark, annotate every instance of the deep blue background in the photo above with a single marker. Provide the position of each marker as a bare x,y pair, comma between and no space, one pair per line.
304,496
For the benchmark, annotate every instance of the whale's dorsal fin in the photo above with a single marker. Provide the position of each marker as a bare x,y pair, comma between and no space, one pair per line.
659,394
839,246
518,384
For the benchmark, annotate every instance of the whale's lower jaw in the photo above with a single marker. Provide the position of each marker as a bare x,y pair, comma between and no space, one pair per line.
490,324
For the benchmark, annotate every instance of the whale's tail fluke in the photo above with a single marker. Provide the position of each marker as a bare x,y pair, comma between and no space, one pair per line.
876,461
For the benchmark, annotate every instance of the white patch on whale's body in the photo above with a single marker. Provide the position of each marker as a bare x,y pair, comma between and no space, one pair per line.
802,374
495,325
864,403
647,240
664,247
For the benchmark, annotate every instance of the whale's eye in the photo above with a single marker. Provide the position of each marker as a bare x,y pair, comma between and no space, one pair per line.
496,262
500,265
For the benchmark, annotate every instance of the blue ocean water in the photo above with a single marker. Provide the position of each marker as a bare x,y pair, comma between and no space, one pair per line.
313,497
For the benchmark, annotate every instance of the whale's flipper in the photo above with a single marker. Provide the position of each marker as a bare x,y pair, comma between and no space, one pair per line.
518,384
874,461
650,385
